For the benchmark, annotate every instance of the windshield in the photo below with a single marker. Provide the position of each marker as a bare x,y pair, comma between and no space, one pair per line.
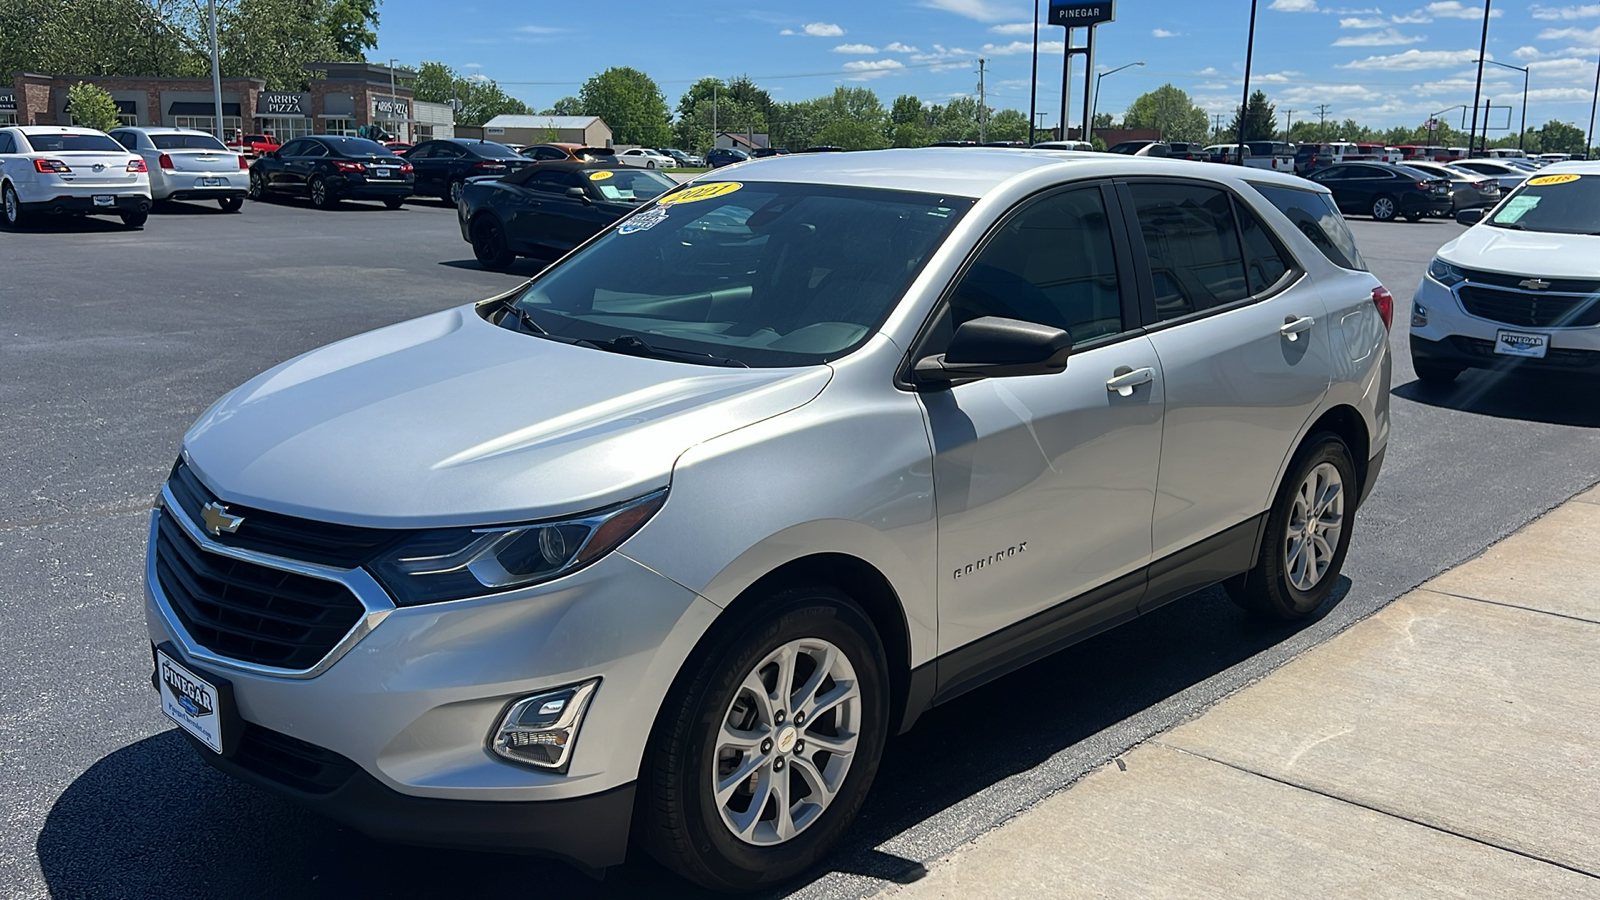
492,150
74,143
762,274
1562,204
350,146
186,142
630,185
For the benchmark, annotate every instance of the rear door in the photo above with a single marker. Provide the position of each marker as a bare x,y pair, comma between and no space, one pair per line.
299,167
422,163
1244,341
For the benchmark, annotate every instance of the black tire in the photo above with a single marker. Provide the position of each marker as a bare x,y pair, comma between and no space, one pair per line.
1266,590
321,196
1415,217
258,187
452,192
1435,373
394,202
11,209
650,164
136,218
231,204
489,243
677,820
1384,208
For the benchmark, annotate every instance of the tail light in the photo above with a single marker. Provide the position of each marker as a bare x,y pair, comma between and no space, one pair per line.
407,167
1424,186
1384,301
342,166
243,163
137,165
166,162
490,166
51,166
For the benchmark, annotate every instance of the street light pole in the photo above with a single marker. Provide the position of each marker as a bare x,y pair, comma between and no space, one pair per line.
1477,89
1588,141
392,98
1095,104
1033,85
1249,55
1522,135
216,74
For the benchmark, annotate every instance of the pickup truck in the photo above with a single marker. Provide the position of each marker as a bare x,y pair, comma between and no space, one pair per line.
253,145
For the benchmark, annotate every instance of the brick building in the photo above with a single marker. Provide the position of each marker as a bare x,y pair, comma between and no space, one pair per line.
343,98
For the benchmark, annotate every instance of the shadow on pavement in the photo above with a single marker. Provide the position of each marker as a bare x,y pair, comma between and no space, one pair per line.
1509,394
187,208
152,820
522,268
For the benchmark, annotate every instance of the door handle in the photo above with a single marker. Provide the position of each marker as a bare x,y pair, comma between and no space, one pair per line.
1125,379
1294,326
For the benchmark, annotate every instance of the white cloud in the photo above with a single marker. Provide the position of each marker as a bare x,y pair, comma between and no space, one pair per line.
855,48
1294,5
1411,18
1016,47
1163,33
1388,37
1413,60
982,10
817,29
1526,53
540,29
1208,70
479,77
473,66
1571,68
1587,11
1455,9
952,57
1580,36
1013,28
865,69
897,47
1363,22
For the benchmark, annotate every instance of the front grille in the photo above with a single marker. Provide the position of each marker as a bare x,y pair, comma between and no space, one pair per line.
290,761
1555,357
249,612
1557,285
324,543
1531,310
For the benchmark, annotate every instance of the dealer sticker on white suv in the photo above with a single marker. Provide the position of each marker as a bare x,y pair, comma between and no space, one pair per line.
1521,343
189,700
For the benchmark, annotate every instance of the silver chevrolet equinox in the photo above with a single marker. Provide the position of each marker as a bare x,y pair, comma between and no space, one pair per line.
660,547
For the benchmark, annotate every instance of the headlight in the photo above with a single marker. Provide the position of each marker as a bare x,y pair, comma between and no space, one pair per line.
452,563
1445,274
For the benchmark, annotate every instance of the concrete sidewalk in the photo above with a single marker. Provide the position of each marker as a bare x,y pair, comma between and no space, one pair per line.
1449,746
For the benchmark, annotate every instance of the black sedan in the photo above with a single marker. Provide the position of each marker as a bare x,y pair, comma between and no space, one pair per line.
548,208
444,166
1385,191
329,168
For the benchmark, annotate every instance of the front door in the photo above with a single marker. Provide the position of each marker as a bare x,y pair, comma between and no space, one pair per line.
1045,484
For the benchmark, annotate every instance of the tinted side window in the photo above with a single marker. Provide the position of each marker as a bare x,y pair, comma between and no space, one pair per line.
1051,263
6,144
1265,263
1317,218
421,151
313,149
1193,246
293,148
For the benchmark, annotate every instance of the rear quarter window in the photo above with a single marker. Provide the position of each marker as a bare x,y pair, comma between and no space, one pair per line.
1319,220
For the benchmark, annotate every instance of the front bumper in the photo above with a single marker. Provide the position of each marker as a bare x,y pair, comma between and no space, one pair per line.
1452,336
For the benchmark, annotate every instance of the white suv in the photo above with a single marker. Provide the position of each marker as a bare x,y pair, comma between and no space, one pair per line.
189,165
60,170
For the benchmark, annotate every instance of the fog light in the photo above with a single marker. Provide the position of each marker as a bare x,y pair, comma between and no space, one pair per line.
1419,315
540,730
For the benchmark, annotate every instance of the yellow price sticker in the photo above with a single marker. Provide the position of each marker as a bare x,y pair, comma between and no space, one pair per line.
702,192
1543,180
599,176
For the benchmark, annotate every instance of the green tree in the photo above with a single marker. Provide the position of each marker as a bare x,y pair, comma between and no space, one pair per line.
481,99
1559,137
352,24
909,122
566,106
274,39
630,103
91,106
956,120
1169,110
1260,120
1008,125
856,120
798,125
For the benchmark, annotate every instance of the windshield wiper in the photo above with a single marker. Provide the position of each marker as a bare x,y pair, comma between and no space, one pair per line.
525,322
629,345
1511,225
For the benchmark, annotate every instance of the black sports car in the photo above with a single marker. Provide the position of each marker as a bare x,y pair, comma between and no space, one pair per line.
548,208
328,168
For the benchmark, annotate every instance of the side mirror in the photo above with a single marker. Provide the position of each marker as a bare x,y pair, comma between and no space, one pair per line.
578,193
1470,216
271,154
992,347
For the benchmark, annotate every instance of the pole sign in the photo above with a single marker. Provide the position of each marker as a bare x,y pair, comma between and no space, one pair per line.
1080,14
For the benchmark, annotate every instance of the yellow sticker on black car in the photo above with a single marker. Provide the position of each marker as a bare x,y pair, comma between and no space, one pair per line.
1543,180
702,192
599,176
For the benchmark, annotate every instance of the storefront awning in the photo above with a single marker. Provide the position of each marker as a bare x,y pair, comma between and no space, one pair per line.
186,108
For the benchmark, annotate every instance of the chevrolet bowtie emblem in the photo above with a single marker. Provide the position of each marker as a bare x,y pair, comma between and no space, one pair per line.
218,520
1534,284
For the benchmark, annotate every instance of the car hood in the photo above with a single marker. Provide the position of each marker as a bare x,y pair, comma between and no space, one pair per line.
1512,252
450,420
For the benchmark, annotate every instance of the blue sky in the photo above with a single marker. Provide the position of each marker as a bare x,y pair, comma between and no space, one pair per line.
1389,65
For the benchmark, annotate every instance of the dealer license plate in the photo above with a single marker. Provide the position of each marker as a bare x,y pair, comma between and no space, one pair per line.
104,200
212,182
190,700
1521,343
381,173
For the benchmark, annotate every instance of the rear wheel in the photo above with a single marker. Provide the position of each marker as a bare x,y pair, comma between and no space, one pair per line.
1414,217
489,243
394,202
761,759
135,218
456,187
321,196
1435,373
15,218
649,164
231,204
1383,208
1307,534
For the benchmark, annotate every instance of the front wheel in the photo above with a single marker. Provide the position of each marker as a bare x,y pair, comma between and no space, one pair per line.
1383,208
394,202
649,165
764,752
1307,535
258,188
489,243
1435,373
230,204
455,190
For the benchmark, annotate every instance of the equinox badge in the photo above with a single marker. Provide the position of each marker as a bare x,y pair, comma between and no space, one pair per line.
218,520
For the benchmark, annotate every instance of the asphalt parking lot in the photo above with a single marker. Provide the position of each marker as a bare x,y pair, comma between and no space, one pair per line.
112,342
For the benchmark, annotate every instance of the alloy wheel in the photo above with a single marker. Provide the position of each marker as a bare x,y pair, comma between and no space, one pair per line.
319,193
255,186
12,211
1316,521
785,744
1383,208
455,192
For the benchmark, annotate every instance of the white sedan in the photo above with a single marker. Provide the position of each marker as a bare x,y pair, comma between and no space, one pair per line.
188,165
1507,174
645,158
57,170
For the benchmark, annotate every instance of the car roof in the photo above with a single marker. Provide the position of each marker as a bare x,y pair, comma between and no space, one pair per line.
569,165
56,129
976,172
1572,167
163,129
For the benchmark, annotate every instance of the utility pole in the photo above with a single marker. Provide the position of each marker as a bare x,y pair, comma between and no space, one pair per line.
1033,85
216,75
1216,126
714,131
1289,128
983,104
1588,142
1322,122
1477,90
